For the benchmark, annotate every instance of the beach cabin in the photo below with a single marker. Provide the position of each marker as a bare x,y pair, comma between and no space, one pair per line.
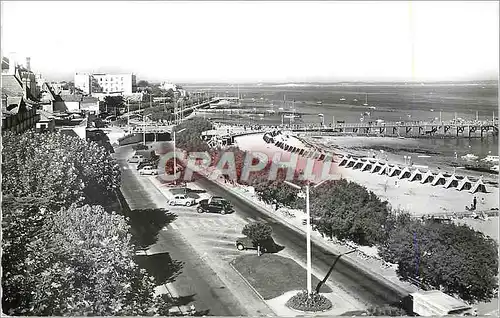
464,184
321,157
478,187
417,175
439,180
427,177
358,164
405,173
367,166
385,169
395,171
351,163
343,161
376,167
452,182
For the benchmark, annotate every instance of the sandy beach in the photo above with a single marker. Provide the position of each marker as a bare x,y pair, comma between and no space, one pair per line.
414,197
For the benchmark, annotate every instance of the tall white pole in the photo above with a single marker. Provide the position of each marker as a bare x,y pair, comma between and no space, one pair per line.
309,266
128,116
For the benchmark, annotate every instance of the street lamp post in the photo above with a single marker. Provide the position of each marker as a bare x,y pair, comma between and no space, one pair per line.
308,232
318,287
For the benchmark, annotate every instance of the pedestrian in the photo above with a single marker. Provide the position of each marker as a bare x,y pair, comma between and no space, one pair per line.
474,202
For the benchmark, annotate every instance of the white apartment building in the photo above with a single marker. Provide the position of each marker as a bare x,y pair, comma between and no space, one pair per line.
83,82
124,84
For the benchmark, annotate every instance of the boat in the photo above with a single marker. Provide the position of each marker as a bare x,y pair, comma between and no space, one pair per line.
423,156
492,159
355,100
469,157
342,99
292,116
372,107
319,102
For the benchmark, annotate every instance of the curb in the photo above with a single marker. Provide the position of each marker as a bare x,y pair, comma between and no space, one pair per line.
346,258
251,287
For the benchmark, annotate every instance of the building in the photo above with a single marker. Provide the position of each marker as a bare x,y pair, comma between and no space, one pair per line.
47,121
18,108
83,81
17,115
124,84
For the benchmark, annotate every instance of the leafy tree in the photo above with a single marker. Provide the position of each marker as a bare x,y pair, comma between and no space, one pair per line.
276,191
259,232
190,138
114,103
348,211
385,310
78,261
445,257
57,170
143,83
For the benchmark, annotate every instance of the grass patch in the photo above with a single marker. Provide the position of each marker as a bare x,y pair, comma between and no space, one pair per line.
272,275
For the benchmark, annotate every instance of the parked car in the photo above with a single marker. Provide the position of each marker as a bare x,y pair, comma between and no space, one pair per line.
215,205
149,170
246,243
182,199
136,159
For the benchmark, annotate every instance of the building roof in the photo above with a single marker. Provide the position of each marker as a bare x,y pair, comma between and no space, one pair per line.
90,99
72,98
45,116
11,85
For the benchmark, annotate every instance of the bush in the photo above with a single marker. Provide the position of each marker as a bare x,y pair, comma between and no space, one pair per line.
385,310
314,303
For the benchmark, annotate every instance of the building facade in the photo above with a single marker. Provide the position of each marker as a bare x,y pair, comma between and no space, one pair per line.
83,81
124,84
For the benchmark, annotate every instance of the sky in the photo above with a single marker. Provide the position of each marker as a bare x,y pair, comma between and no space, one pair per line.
257,41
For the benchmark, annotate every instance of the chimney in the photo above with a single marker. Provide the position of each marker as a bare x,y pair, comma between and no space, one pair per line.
28,64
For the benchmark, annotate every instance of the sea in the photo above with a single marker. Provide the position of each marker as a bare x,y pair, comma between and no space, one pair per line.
386,101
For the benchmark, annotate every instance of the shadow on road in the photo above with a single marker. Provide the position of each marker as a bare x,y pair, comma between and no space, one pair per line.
145,225
161,266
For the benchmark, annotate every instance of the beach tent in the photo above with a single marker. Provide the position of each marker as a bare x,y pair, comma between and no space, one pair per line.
376,167
395,171
478,187
358,164
385,169
427,177
344,161
405,173
452,182
439,179
416,175
464,184
367,166
351,163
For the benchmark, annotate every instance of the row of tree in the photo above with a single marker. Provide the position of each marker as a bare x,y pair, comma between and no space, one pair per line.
63,253
453,258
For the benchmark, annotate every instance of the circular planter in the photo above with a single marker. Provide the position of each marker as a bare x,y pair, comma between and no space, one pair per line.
319,303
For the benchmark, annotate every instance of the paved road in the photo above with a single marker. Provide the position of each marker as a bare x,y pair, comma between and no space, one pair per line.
196,278
355,282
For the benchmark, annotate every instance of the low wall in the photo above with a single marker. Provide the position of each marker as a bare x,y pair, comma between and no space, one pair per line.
138,137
